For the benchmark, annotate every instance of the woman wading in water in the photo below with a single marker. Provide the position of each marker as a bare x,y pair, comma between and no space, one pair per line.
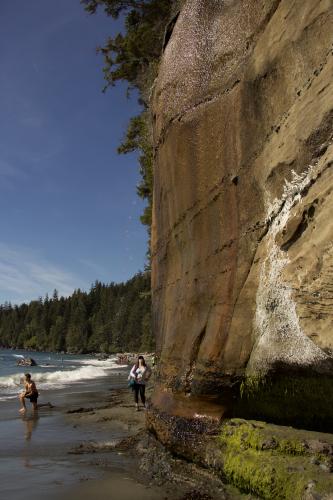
139,375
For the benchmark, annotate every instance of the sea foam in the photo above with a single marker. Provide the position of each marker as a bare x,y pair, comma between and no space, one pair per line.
89,369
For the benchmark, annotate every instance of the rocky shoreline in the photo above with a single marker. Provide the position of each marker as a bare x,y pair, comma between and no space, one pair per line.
267,460
203,458
151,464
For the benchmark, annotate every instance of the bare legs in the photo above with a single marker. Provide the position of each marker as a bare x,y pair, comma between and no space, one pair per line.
22,400
35,406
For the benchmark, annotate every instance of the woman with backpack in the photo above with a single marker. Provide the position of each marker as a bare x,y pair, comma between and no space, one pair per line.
138,377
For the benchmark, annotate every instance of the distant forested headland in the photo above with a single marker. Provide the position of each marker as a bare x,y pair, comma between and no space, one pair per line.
108,318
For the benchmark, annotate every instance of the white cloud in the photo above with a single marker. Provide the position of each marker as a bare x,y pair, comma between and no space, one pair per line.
25,275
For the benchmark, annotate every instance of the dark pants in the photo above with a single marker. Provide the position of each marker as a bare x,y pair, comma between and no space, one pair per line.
139,388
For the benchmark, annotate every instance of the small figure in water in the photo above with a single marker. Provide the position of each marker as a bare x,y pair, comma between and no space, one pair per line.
140,374
30,393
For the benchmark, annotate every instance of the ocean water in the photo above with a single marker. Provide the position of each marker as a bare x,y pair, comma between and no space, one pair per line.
35,462
53,371
36,459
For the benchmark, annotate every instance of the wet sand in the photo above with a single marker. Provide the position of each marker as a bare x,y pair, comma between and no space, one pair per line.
53,453
93,445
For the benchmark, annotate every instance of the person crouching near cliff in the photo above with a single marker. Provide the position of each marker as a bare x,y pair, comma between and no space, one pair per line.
30,393
139,375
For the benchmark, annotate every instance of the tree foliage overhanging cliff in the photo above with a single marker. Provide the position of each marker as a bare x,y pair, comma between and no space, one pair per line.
133,56
109,318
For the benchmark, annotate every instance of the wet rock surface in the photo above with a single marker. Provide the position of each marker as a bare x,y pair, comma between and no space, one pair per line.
149,462
164,468
275,461
271,461
198,457
26,362
242,236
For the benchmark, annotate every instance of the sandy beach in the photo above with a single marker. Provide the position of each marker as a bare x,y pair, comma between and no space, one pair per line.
49,453
93,444
135,464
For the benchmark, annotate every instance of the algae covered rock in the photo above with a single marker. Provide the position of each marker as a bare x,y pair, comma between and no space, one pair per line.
266,460
277,462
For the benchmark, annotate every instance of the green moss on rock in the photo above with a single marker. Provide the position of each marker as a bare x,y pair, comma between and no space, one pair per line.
274,462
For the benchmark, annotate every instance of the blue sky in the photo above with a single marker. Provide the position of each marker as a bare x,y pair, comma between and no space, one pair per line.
68,206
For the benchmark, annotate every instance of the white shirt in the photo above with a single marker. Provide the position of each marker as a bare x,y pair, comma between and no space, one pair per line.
139,374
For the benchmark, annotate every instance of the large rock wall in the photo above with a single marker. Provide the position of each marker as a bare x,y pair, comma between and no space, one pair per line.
242,237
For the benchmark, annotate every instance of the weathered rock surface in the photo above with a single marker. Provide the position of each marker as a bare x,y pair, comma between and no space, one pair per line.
242,267
271,461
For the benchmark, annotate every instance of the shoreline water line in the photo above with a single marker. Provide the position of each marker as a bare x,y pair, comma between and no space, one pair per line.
52,371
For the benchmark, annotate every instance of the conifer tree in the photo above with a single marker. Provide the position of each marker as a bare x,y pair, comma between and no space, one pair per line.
109,318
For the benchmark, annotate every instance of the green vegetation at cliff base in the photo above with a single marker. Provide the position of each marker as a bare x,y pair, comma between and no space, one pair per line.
276,462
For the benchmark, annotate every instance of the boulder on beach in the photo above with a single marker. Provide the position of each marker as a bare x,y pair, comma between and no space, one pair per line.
26,362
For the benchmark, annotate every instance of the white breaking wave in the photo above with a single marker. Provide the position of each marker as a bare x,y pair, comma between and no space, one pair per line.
8,397
91,369
110,362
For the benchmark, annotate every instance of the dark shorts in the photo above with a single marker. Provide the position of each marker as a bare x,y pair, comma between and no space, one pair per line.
33,398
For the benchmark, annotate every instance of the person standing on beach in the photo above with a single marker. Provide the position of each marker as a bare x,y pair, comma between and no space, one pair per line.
140,374
29,393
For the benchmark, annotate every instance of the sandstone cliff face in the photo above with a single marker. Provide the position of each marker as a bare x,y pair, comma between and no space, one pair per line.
242,237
